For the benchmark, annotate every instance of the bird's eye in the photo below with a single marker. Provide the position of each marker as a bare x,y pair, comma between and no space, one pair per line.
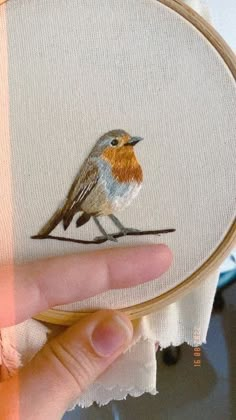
114,142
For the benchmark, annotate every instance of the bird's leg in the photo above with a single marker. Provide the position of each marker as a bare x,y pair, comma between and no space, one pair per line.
122,228
102,230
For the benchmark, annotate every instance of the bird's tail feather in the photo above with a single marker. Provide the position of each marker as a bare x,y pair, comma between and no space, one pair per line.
67,218
52,222
84,218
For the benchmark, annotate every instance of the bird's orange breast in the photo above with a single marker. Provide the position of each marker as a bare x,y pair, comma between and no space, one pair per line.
124,164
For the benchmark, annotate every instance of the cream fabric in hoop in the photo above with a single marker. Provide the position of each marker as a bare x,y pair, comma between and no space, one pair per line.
177,93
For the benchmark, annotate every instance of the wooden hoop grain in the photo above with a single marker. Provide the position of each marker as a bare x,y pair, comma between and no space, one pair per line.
213,262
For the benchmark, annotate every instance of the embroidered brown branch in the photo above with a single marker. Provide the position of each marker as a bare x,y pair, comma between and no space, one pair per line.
102,240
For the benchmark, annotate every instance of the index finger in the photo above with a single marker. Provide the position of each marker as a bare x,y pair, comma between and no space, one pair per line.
28,289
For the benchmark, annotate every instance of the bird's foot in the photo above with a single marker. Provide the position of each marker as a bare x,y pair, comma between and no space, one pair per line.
125,231
107,237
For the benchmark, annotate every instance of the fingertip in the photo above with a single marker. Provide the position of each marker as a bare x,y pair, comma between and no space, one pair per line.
140,264
158,260
113,332
164,253
125,320
109,313
159,255
163,258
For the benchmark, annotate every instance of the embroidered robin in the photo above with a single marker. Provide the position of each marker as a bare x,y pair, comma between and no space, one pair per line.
109,179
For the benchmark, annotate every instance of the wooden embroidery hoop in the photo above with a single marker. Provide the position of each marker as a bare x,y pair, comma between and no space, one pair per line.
60,317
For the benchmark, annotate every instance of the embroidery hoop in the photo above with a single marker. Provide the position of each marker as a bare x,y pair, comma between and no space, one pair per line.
134,312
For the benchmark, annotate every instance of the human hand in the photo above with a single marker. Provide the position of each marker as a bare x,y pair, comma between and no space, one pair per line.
71,361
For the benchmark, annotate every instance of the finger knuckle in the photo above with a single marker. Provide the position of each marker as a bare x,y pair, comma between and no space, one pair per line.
80,368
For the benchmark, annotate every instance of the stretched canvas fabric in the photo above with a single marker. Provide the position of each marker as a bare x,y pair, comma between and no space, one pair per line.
147,71
135,65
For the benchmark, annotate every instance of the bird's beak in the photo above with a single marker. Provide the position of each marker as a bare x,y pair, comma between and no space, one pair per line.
133,141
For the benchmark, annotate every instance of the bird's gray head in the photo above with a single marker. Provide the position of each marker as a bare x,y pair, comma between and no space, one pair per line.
115,139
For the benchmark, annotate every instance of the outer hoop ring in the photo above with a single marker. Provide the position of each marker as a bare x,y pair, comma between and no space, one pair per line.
212,263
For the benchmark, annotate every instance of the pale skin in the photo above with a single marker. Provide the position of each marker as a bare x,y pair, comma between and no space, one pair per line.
71,361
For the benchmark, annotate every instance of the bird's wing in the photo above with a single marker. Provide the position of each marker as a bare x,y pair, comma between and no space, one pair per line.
83,184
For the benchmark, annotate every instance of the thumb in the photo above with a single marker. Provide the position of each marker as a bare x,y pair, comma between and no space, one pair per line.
67,365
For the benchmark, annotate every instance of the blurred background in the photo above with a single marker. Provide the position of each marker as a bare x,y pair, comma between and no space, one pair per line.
187,391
